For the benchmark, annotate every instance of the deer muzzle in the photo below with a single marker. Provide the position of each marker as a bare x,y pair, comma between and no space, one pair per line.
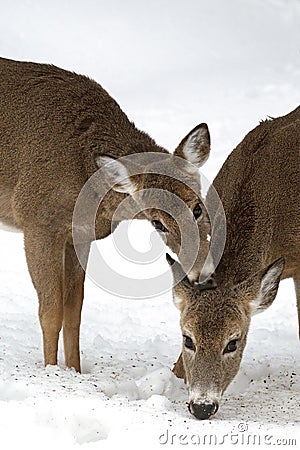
203,411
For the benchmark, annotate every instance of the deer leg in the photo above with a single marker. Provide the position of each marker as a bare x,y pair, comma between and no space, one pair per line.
178,368
74,276
44,260
297,288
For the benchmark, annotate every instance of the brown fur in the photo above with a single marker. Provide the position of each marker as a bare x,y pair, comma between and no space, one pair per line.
54,124
259,186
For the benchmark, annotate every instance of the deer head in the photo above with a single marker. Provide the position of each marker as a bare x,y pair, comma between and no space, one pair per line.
214,325
168,192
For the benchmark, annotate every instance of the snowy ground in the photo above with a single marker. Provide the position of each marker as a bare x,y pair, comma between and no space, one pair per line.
170,65
127,393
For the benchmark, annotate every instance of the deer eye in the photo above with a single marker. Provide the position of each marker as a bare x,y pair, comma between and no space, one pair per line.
188,343
231,346
197,211
159,226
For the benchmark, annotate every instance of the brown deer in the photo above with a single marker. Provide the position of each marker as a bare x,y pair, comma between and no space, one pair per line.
259,187
56,129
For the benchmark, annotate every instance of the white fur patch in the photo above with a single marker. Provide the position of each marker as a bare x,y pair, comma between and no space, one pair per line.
177,301
5,227
117,175
192,147
199,397
254,305
193,275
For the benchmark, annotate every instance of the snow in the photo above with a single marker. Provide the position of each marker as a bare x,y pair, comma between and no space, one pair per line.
127,392
170,65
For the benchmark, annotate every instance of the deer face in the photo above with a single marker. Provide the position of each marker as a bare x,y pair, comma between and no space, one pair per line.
168,192
214,326
178,214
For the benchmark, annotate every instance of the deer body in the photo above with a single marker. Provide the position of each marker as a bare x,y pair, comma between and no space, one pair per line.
55,129
259,187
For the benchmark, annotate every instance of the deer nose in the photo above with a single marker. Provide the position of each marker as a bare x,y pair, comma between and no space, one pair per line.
203,410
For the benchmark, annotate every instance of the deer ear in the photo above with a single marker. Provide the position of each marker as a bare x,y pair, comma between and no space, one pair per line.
177,270
195,147
181,284
117,175
265,284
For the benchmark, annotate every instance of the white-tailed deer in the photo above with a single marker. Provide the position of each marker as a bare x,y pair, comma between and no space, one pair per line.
259,186
56,129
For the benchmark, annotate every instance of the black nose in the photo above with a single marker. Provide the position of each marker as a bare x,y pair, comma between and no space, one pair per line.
203,410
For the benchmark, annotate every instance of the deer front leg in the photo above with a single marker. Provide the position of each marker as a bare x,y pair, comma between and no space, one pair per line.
44,259
73,297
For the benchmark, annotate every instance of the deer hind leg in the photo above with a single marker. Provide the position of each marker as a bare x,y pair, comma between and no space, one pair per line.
44,260
74,276
297,288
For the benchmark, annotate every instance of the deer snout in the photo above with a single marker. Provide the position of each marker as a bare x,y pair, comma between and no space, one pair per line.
203,410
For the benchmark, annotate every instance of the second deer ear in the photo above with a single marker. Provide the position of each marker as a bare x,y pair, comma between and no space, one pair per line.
261,288
117,175
269,282
195,147
181,284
